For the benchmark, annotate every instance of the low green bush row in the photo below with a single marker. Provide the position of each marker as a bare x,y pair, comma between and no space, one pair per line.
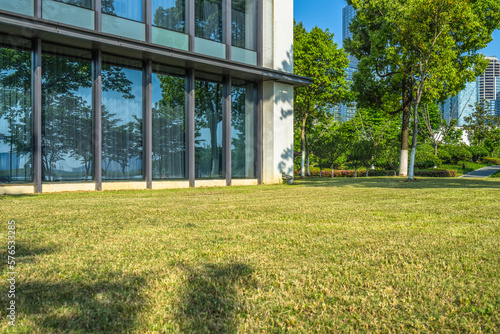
362,173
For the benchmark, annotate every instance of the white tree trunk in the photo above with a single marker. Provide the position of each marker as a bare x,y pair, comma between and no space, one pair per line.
403,166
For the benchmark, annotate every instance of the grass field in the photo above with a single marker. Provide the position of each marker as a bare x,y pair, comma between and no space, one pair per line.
342,255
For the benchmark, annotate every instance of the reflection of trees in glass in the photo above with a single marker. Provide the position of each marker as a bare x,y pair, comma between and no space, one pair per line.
208,114
122,138
243,130
108,7
79,3
15,114
66,116
168,15
243,23
169,129
208,19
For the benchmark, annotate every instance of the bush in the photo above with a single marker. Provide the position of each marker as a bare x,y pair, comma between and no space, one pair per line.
349,173
492,161
444,156
457,153
425,158
478,152
436,173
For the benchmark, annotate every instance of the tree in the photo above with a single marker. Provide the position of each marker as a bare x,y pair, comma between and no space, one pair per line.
332,144
361,154
318,57
481,124
437,40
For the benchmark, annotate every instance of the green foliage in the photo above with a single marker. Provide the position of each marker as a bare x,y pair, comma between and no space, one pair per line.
492,161
457,153
362,154
478,152
315,55
425,157
482,126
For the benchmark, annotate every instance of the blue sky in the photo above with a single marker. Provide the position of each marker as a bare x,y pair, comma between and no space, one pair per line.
328,14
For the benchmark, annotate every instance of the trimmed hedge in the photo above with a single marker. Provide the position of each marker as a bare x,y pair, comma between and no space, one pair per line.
362,173
436,173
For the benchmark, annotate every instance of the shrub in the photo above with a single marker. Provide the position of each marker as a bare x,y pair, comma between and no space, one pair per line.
457,153
425,158
478,152
492,161
444,156
436,173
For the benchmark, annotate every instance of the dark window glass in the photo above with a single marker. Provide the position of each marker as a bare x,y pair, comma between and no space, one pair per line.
169,120
169,14
79,3
15,115
121,120
208,137
129,9
66,118
244,23
244,97
208,19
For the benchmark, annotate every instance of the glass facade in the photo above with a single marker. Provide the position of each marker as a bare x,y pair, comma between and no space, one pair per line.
208,125
244,24
121,119
208,19
128,9
79,3
66,115
15,115
169,125
243,129
169,14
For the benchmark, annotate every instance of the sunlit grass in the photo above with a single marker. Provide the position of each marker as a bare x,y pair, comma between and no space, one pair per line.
341,255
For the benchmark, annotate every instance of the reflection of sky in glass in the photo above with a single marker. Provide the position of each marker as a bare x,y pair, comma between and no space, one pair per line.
204,137
163,3
124,108
129,9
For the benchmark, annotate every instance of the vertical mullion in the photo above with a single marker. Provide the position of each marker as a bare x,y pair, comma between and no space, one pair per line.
148,20
226,135
227,27
97,113
259,132
147,124
190,23
38,8
36,91
260,32
97,15
190,134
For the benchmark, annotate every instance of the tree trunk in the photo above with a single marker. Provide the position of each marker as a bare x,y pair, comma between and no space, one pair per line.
405,131
355,171
307,157
367,170
333,173
303,147
435,148
319,171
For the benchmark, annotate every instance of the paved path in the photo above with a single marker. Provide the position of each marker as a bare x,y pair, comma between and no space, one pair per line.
483,172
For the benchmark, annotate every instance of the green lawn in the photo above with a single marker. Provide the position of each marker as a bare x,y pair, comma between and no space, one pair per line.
342,255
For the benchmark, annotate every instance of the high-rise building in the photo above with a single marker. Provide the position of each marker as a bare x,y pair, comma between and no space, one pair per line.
487,89
348,112
462,105
145,94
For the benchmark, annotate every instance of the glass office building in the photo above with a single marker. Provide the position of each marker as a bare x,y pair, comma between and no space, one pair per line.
138,94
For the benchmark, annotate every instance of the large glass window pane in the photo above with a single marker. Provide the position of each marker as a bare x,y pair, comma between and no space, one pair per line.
169,14
244,99
15,115
169,125
77,13
208,19
79,3
208,127
66,116
243,25
121,119
129,9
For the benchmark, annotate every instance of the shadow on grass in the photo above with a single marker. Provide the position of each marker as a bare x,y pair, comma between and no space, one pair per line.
210,304
396,182
74,305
